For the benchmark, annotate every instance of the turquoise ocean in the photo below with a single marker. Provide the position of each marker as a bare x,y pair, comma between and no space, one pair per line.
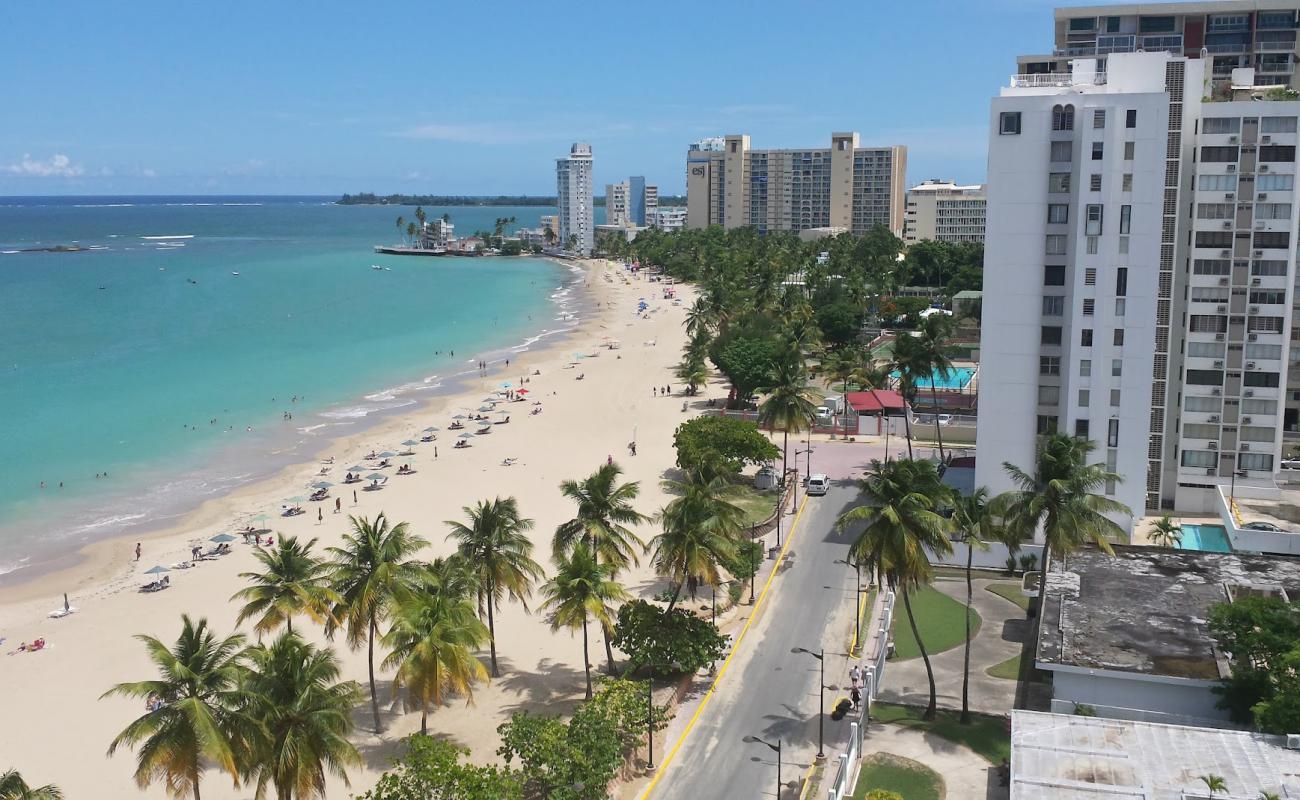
149,360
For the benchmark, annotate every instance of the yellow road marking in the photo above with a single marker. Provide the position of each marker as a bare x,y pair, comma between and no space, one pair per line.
735,647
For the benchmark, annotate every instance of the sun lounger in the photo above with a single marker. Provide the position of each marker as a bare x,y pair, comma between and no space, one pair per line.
60,613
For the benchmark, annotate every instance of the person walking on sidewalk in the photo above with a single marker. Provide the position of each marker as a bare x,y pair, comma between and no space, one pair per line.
855,677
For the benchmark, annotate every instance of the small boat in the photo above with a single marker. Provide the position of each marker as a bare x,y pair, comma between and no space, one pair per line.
376,266
234,273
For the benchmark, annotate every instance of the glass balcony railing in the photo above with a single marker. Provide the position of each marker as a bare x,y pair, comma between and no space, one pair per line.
1220,49
1275,46
1158,43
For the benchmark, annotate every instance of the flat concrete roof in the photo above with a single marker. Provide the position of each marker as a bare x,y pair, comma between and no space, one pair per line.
1144,609
1175,9
1067,757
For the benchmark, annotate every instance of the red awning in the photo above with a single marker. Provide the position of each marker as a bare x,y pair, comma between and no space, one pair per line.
874,401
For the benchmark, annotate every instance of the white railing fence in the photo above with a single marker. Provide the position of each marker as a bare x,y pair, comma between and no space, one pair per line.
875,652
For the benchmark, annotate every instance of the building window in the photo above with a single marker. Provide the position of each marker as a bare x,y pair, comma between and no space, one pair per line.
1121,282
1049,365
1112,433
1277,125
1221,125
1058,213
1277,152
1205,377
1207,323
1053,276
1093,226
1099,118
1089,305
1046,425
1125,216
1085,337
1219,155
1116,367
1276,239
1126,183
1050,334
1054,306
1085,397
1267,380
1008,124
1098,149
1061,151
1058,182
1056,244
1081,429
1131,118
1215,210
1089,277
1093,245
1270,267
1272,211
1094,182
1114,398
1062,118
1262,462
1049,395
1085,368
1200,458
1117,337
1222,183
1123,245
1121,305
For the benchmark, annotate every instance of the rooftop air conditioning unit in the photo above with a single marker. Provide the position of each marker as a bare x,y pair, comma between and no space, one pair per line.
1218,337
1254,309
1245,420
1251,337
1250,365
1266,138
1263,167
1232,168
1259,253
1210,471
1225,253
1214,418
1245,446
1232,139
1262,196
1218,364
1248,393
1227,223
1223,281
1255,281
1213,445
1229,196
1221,309
1216,392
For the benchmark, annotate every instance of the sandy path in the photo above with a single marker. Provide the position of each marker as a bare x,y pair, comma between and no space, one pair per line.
57,730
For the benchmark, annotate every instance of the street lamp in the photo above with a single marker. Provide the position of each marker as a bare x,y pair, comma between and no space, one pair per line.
1232,491
821,695
650,722
776,748
857,596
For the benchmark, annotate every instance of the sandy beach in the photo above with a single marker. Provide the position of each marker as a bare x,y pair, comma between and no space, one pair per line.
56,729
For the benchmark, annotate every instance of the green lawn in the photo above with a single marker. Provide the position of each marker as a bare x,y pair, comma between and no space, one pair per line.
758,505
1010,590
1007,670
911,779
939,619
986,735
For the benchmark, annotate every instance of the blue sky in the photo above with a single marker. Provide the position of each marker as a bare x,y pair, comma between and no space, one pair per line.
177,97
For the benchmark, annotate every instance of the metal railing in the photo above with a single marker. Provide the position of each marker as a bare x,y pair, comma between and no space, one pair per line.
1221,49
875,651
1050,79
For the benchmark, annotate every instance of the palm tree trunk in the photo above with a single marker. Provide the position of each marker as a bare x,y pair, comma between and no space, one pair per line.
492,634
609,649
424,721
907,422
965,672
785,452
934,397
196,784
929,670
673,603
288,624
586,661
370,662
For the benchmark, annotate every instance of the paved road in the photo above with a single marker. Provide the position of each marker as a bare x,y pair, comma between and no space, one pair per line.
770,692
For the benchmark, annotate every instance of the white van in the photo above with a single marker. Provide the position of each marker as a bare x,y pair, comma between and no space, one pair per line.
818,484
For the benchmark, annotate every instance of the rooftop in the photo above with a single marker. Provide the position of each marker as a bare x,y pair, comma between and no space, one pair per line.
1066,757
1216,7
1143,610
874,400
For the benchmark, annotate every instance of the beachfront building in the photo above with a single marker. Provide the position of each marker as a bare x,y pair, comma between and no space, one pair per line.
944,212
845,185
550,222
1137,289
573,179
1260,34
436,233
631,202
667,218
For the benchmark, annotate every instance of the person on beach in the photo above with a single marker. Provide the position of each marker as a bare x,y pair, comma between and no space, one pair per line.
354,497
338,504
320,515
137,551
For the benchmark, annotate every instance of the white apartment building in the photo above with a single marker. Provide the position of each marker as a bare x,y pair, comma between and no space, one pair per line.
630,203
667,218
573,179
945,212
1138,280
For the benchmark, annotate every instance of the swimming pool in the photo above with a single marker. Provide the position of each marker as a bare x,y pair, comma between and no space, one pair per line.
957,378
1206,538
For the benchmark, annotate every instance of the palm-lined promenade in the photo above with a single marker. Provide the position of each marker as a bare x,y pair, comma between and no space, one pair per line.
583,424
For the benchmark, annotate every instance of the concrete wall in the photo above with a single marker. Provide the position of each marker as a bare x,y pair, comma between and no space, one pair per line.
1135,698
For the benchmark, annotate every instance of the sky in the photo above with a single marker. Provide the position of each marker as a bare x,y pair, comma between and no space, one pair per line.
243,97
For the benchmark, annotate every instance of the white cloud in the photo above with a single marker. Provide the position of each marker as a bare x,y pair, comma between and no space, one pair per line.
57,166
473,133
148,172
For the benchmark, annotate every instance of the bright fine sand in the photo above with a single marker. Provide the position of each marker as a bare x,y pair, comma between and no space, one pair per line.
55,729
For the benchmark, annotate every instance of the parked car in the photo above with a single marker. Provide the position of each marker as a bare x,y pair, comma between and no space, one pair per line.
1291,463
945,419
1263,526
818,484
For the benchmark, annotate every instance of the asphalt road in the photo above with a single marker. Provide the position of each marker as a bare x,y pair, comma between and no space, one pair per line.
770,692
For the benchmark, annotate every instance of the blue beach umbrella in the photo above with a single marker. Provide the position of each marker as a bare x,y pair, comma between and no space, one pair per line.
376,476
158,570
222,537
410,443
321,485
387,454
432,429
355,468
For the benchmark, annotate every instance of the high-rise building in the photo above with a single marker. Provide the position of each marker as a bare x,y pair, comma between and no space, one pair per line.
667,218
944,212
573,190
1138,277
1232,33
629,204
841,186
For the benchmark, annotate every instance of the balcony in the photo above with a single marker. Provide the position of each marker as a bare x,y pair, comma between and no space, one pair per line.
1274,47
1225,49
1050,79
1159,43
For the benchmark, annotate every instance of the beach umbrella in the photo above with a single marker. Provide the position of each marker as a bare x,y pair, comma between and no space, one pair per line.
486,408
410,443
459,416
222,537
523,391
507,385
466,436
376,476
387,454
321,485
157,570
432,429
355,468
295,499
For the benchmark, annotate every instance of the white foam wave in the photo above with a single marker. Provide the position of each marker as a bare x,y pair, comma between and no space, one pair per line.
104,205
357,412
175,236
114,520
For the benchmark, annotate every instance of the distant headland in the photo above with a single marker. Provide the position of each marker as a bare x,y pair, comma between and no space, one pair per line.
371,199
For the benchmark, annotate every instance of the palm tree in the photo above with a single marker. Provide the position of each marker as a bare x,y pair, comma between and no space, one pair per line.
304,716
401,224
582,589
604,513
701,527
1165,532
790,405
973,522
500,555
13,787
434,633
410,230
908,362
901,523
368,570
195,721
1060,497
1213,784
931,346
294,582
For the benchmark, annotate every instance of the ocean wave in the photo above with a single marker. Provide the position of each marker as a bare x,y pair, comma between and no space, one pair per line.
8,567
243,204
9,252
175,236
357,412
107,521
104,205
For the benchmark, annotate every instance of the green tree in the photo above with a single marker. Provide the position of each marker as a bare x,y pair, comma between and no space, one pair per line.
735,442
973,522
1214,784
293,582
1165,532
930,359
1258,633
901,523
303,716
701,526
840,323
883,794
790,405
604,513
431,769
373,564
748,363
496,546
676,642
196,720
1061,498
433,637
13,787
582,589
